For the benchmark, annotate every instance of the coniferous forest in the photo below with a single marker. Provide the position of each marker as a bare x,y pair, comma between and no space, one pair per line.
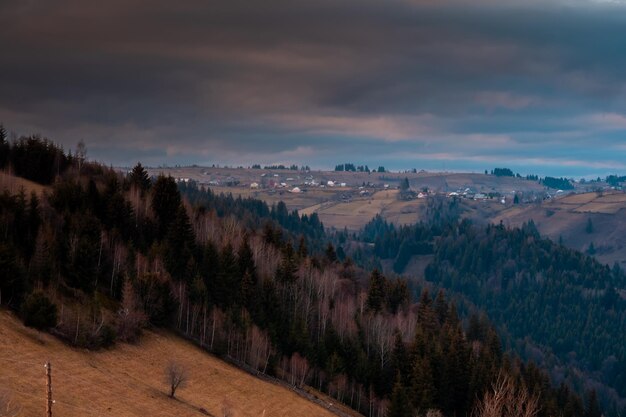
101,255
553,305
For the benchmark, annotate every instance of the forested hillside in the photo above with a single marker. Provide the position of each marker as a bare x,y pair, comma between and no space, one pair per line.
103,255
555,306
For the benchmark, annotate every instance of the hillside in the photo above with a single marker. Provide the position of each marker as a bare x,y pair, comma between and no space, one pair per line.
14,184
128,380
554,306
566,219
354,198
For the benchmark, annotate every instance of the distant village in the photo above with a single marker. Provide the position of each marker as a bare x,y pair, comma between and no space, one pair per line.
346,184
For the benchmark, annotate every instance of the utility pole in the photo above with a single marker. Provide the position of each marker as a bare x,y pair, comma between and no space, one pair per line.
48,367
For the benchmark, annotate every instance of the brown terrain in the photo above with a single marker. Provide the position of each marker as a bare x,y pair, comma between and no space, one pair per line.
14,184
566,218
128,380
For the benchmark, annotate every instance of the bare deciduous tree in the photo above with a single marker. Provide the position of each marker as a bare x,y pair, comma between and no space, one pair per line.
504,399
299,368
130,318
175,376
81,154
8,406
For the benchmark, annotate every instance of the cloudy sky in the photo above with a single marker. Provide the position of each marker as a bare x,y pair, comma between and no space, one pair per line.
538,86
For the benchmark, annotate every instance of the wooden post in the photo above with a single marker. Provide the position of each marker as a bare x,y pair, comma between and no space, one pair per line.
48,389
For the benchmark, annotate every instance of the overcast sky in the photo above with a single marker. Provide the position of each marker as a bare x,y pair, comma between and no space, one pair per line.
537,86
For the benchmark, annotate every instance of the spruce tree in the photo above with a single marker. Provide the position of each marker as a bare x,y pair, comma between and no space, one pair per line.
400,404
227,278
331,255
139,177
4,147
179,244
422,385
592,408
165,202
376,292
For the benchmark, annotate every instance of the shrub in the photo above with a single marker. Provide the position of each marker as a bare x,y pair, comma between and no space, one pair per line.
39,312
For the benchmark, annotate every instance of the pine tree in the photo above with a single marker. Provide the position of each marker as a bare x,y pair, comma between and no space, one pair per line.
288,268
400,404
331,255
165,202
228,278
404,184
400,359
179,244
422,385
4,147
441,307
246,258
425,313
376,292
139,177
209,267
591,250
12,277
302,248
592,408
3,134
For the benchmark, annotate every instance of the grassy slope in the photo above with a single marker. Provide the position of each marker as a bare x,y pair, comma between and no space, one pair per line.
567,218
128,379
13,184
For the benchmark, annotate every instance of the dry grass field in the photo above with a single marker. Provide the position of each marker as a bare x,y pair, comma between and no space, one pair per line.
128,379
355,213
13,184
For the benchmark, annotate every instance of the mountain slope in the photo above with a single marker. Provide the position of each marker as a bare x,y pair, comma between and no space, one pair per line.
128,380
566,219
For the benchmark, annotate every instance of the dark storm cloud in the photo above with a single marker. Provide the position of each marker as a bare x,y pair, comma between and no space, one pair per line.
402,82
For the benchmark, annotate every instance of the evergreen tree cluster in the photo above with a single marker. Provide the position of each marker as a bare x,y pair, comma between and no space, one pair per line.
351,168
33,158
557,183
398,243
540,293
502,172
615,180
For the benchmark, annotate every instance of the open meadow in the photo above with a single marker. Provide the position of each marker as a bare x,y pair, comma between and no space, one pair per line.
128,380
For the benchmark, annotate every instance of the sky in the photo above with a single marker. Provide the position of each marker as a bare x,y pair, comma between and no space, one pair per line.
454,85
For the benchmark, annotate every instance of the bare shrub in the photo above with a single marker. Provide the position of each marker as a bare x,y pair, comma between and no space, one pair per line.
504,399
175,376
